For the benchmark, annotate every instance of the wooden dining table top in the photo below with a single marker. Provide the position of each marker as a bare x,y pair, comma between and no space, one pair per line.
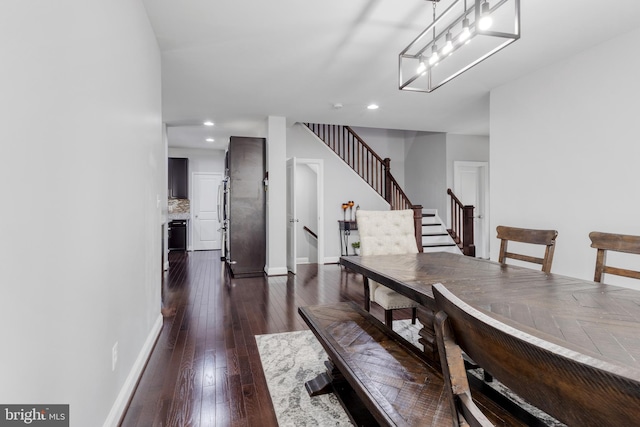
596,319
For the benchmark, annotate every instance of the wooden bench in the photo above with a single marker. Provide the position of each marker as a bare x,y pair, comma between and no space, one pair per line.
573,387
380,378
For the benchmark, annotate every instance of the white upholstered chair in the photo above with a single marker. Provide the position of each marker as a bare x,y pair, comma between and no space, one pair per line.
386,233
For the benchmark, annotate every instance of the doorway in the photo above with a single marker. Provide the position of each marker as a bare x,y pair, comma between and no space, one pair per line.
305,226
471,186
205,230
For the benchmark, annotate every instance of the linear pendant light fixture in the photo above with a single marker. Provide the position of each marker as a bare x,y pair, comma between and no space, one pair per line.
459,38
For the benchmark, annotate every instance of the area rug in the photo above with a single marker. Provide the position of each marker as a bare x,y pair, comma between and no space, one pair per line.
289,360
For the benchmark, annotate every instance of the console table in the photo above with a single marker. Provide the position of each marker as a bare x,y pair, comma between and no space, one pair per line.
345,227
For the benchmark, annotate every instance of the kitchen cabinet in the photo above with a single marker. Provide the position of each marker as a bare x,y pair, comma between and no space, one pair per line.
178,178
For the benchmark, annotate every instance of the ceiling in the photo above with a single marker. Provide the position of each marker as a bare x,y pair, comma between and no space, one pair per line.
236,62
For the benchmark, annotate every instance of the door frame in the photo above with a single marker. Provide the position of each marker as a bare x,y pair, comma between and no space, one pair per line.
319,163
483,186
291,238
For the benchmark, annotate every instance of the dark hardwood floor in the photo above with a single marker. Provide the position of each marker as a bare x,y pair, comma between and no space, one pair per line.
205,369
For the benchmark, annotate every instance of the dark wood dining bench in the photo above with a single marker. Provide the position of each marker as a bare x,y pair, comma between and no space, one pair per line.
380,378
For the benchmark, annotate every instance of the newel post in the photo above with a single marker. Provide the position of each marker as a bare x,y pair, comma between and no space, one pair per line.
417,220
468,246
386,164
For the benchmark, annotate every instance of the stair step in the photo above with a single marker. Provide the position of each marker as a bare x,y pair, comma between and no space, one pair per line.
434,234
428,215
431,224
437,245
436,240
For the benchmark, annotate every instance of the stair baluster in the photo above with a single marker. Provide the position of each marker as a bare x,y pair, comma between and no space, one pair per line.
462,225
370,166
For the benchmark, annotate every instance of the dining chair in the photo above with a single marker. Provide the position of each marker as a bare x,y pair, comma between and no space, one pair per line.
386,233
604,242
531,236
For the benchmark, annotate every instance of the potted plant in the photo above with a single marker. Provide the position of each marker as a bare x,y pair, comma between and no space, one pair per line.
356,247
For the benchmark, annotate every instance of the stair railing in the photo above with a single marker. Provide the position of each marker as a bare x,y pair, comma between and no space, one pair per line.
372,168
461,230
308,230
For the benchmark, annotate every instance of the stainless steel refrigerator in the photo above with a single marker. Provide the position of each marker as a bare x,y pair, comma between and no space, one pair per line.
244,207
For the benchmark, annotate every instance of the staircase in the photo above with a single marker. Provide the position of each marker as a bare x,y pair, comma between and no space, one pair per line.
435,236
431,234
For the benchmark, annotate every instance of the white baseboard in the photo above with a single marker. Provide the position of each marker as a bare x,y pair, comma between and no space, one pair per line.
120,405
276,271
303,260
332,260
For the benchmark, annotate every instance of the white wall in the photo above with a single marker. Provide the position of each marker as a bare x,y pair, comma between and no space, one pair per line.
426,170
341,184
564,151
83,167
467,148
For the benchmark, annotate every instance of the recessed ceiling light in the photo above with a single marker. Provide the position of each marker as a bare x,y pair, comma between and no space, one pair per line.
373,106
209,139
208,123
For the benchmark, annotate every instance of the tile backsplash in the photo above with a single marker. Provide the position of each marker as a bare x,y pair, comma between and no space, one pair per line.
178,206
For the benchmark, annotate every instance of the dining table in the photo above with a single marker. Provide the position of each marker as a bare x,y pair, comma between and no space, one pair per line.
596,319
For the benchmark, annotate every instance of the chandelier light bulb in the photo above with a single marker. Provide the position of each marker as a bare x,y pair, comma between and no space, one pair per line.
448,46
434,56
422,67
466,33
485,19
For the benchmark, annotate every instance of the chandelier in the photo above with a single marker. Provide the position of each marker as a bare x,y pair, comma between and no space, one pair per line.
459,38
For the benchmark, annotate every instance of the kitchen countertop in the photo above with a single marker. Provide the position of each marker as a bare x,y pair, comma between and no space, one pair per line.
173,216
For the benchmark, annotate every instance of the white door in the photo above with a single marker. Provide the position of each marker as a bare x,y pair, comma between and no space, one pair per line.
291,215
204,208
471,186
